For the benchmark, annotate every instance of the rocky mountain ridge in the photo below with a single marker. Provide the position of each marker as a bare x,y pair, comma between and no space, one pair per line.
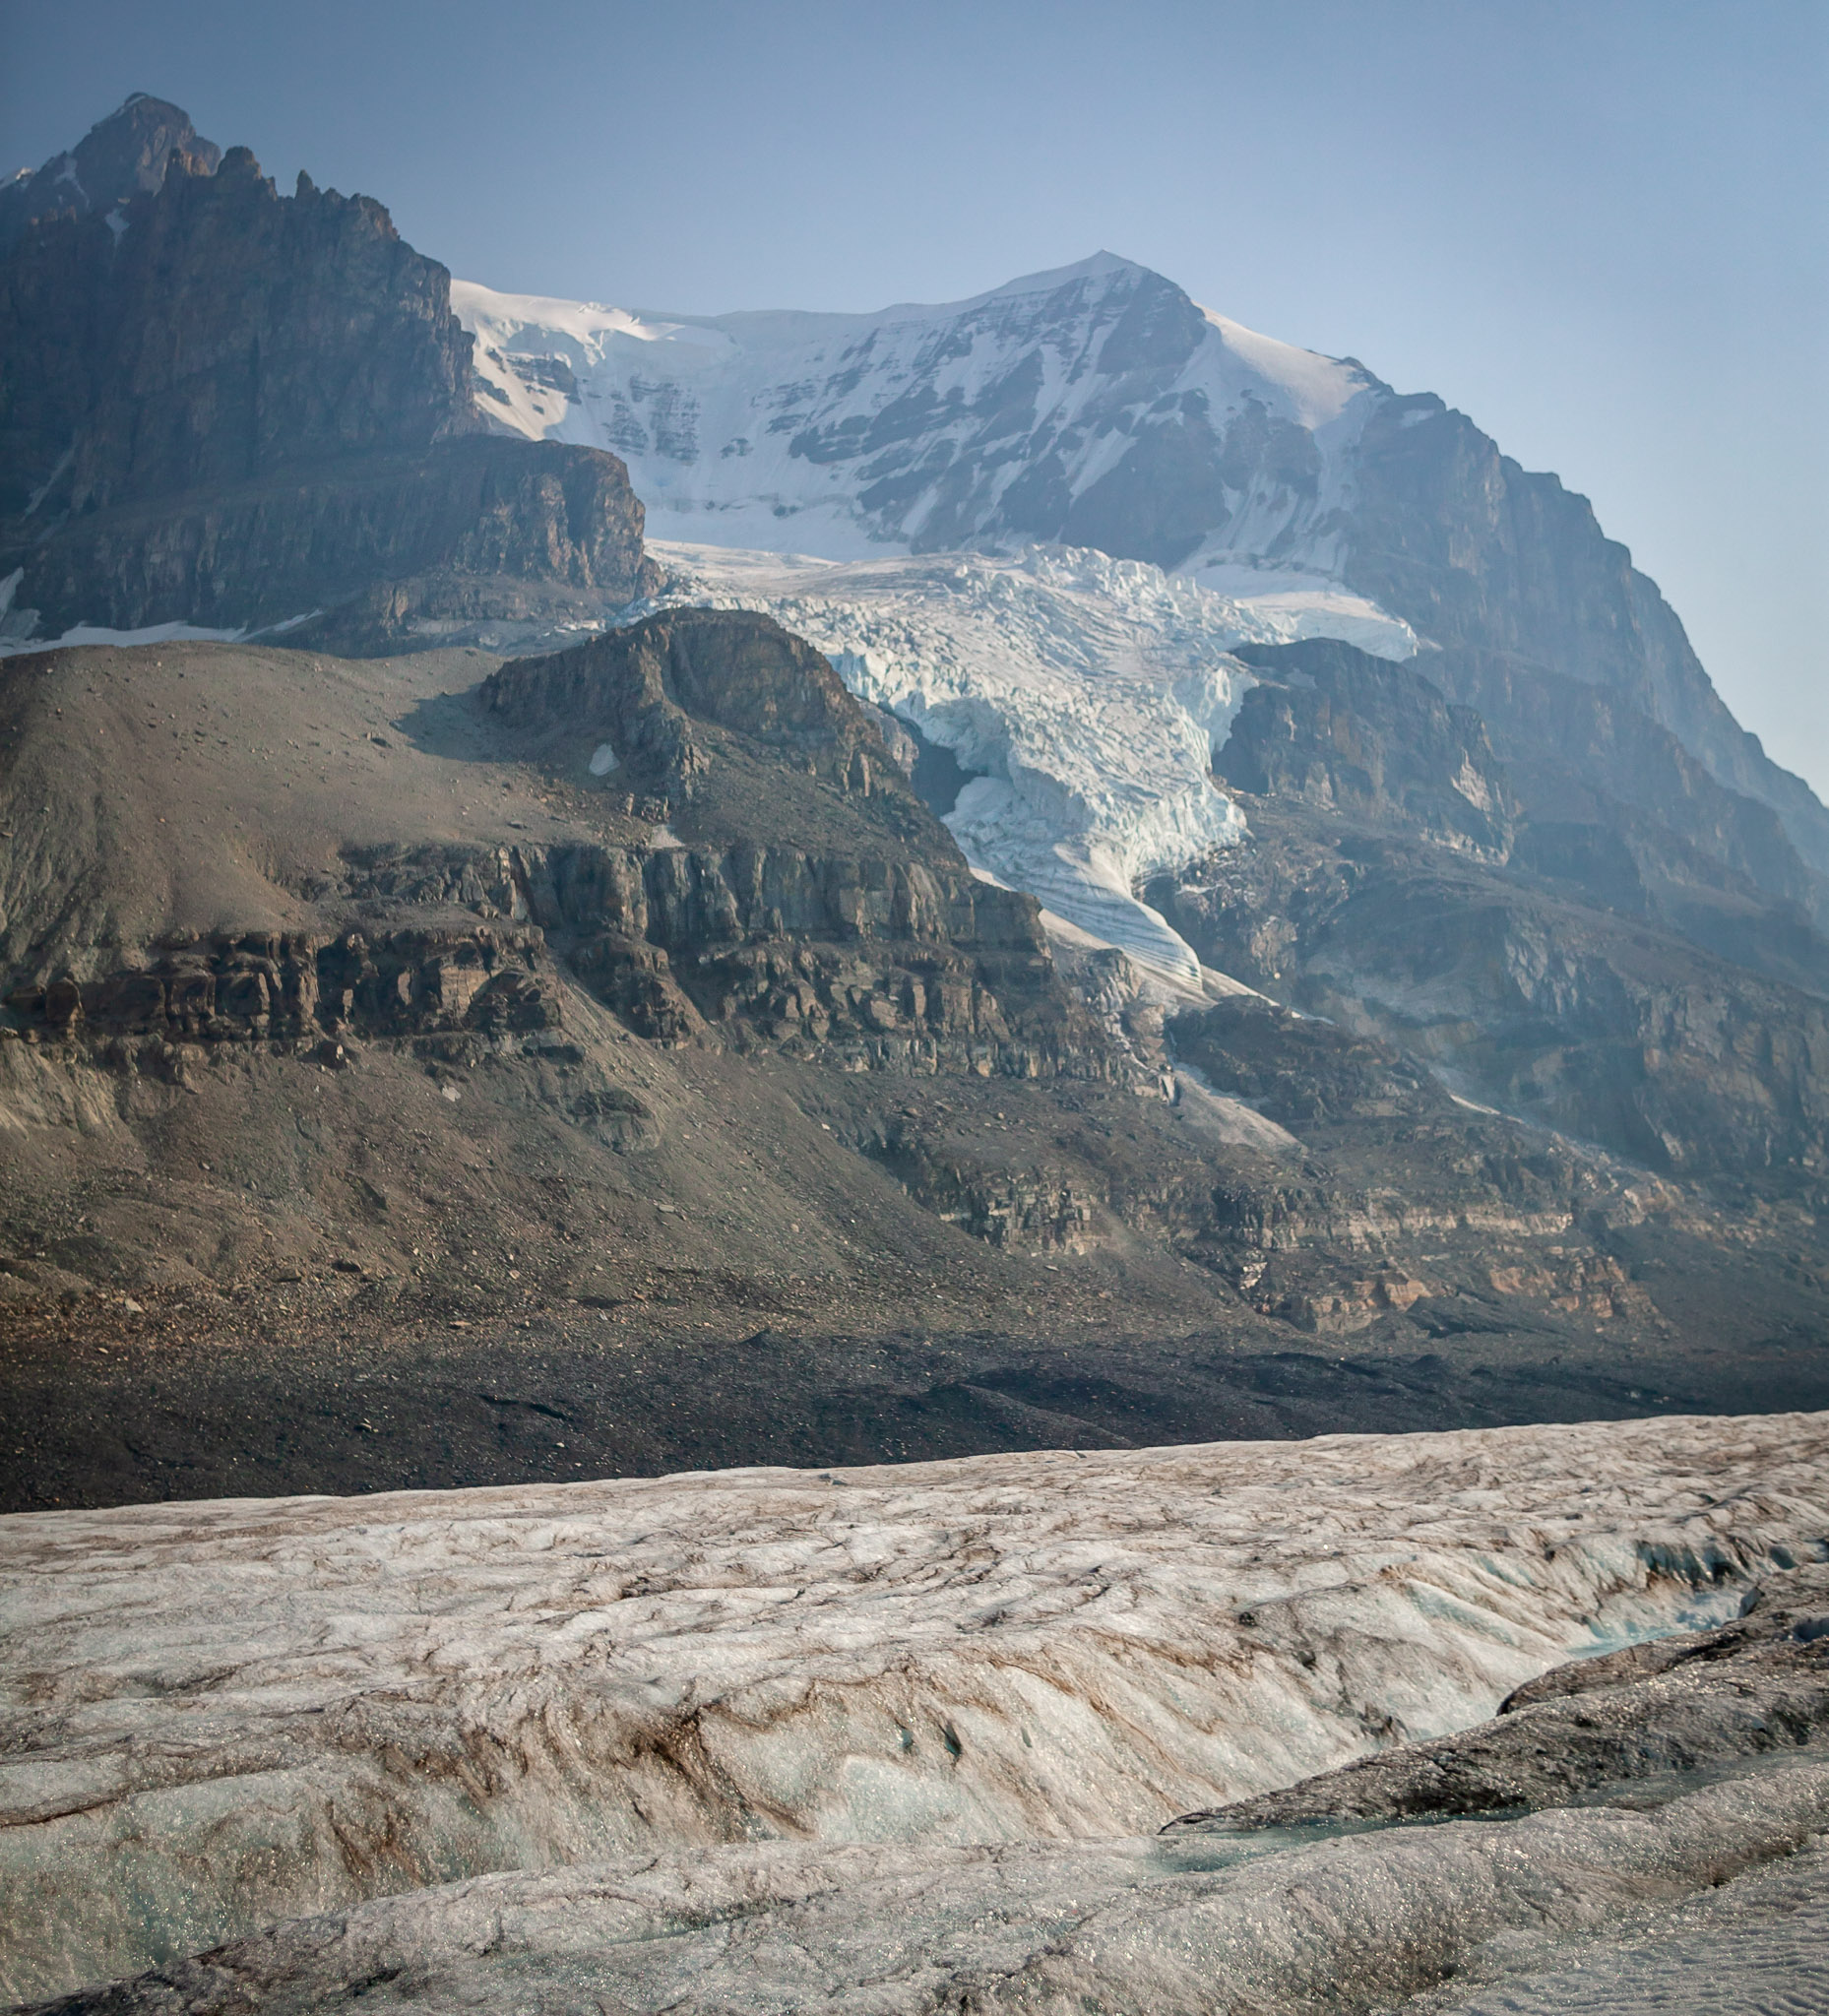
224,408
123,157
657,1048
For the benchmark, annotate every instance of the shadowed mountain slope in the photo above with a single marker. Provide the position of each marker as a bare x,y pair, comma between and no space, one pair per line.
226,408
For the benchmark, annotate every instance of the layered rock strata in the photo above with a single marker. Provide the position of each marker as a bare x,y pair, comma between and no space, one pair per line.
1542,945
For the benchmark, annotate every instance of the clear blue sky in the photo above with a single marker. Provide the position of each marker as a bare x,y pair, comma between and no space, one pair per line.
1600,228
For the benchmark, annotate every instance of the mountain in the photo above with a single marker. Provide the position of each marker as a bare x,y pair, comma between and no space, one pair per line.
552,1011
1099,406
1096,406
123,157
225,408
648,1005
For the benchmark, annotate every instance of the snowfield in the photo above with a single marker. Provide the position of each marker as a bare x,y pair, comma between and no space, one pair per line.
219,1715
838,434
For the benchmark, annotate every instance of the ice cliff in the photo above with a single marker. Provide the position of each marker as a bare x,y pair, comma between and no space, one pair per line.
1083,697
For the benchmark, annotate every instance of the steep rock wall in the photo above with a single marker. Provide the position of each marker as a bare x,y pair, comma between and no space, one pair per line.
220,405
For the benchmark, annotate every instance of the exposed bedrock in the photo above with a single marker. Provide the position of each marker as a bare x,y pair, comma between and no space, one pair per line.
1477,552
1347,732
123,157
567,903
870,939
1580,787
1604,1030
1549,948
740,734
226,1714
467,532
223,407
842,959
282,987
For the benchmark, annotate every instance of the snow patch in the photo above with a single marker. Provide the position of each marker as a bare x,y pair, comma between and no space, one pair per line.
153,633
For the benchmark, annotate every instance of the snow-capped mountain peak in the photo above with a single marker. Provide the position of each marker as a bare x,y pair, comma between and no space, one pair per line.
1086,411
1093,404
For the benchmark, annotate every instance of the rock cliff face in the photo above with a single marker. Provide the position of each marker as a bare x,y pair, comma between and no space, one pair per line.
614,1049
223,333
1373,740
1583,755
779,884
809,893
1549,974
437,989
223,407
473,531
1476,551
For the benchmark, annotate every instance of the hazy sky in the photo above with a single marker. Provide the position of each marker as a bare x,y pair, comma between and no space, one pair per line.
1602,230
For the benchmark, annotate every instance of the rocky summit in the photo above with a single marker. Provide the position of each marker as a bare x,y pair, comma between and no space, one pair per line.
610,924
226,408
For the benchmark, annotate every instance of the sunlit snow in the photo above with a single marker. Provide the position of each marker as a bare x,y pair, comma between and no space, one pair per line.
716,415
1085,695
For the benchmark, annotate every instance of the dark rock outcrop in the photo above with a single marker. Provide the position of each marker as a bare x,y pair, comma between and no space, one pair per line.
275,987
1480,554
224,407
1374,740
224,334
807,894
1580,754
122,157
1295,1070
1606,1028
470,532
1538,929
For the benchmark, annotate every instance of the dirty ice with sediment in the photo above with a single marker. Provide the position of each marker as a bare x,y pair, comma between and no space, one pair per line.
900,1689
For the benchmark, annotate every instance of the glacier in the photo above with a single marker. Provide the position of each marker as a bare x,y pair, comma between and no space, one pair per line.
868,480
839,434
1085,697
219,1715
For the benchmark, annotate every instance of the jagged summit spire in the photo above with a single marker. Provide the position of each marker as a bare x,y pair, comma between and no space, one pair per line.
120,157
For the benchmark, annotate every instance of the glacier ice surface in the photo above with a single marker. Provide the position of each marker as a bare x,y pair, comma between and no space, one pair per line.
216,1715
1085,695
